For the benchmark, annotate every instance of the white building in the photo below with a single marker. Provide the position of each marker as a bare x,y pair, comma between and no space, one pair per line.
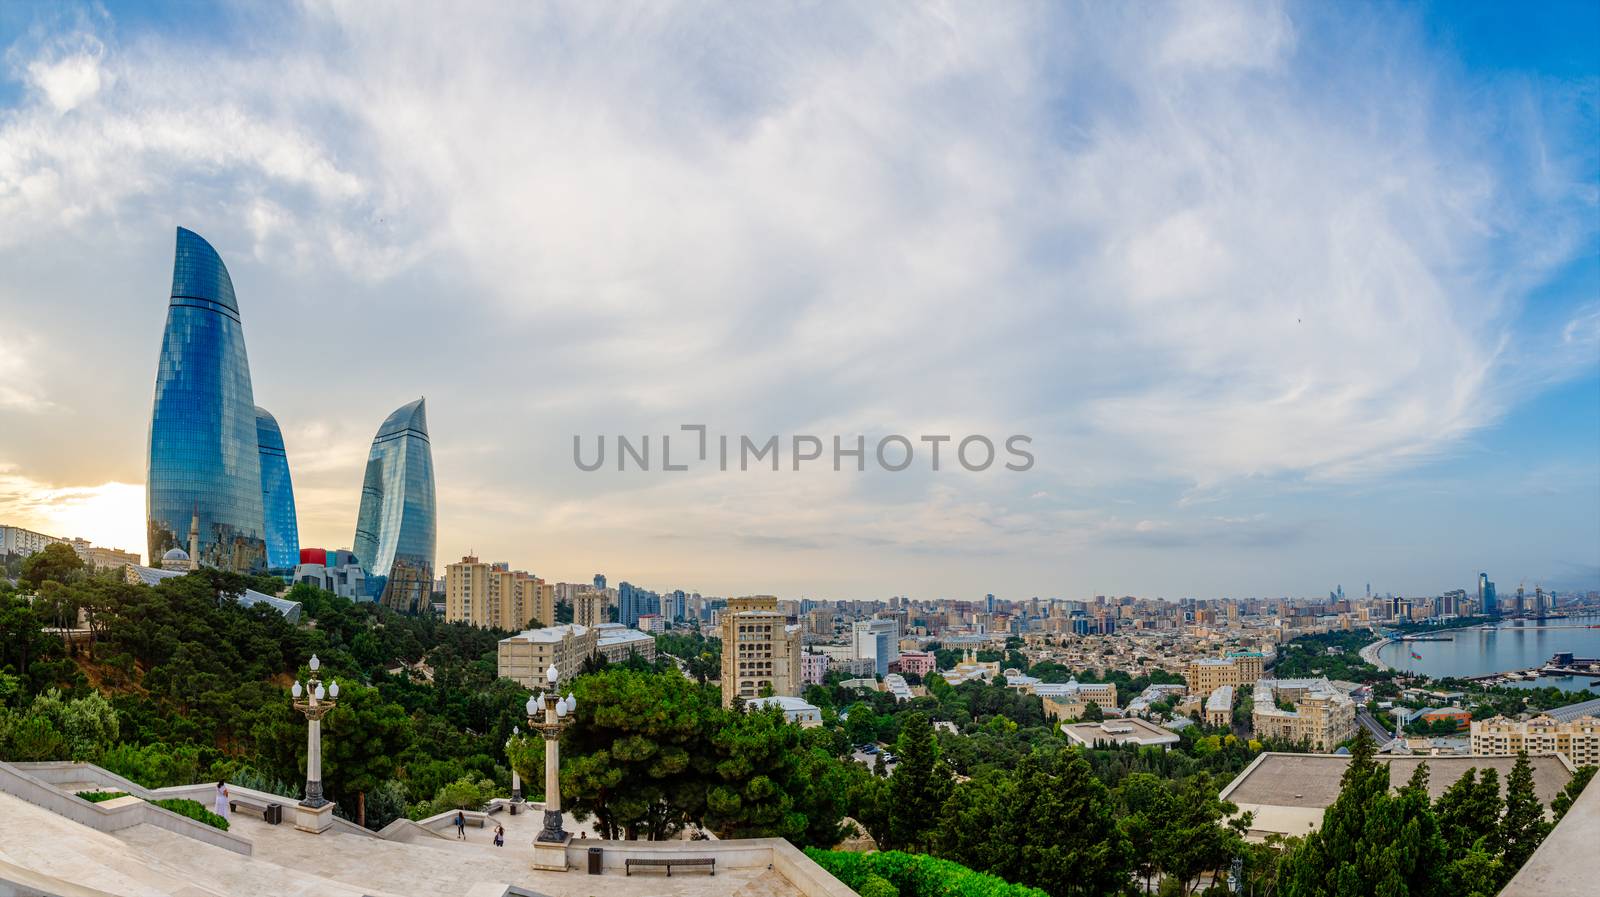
879,640
794,709
14,540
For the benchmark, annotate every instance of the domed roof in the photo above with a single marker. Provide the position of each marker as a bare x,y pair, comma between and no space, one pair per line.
175,554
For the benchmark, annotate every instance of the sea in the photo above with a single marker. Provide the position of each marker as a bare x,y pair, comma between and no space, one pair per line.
1509,645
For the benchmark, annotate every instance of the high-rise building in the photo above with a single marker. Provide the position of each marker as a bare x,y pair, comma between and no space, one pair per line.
760,650
634,602
1486,597
203,459
396,528
493,595
879,640
18,542
599,582
277,496
589,608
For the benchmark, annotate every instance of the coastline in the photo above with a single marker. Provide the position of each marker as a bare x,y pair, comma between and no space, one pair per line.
1370,654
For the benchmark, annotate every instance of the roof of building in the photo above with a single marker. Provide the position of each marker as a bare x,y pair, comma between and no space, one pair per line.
1121,731
550,633
1282,788
1572,711
783,702
1220,699
290,609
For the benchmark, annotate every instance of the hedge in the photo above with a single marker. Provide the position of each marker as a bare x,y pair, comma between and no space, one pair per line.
95,797
914,875
193,809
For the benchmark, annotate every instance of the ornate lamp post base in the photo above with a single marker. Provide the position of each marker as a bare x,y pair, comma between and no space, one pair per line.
315,820
552,831
551,856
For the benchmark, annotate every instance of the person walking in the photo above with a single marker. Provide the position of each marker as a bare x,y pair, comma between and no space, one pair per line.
221,800
461,826
499,836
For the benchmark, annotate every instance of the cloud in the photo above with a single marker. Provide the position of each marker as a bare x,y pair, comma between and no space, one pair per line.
20,390
1191,245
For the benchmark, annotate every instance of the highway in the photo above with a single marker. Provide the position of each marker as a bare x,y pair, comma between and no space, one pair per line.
1373,727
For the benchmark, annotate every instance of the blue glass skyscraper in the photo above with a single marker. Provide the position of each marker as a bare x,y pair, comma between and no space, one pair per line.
277,496
396,527
203,459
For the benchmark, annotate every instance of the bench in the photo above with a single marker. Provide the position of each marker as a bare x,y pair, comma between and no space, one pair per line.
629,863
270,813
473,817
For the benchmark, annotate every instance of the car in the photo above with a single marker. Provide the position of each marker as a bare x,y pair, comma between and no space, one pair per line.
890,758
870,749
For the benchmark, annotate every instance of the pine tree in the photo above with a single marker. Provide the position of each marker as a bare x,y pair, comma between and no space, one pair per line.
918,787
1523,826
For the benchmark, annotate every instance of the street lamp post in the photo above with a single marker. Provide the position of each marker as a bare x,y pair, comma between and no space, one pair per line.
315,813
516,779
550,845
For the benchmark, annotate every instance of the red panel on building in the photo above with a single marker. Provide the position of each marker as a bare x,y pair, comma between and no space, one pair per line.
314,556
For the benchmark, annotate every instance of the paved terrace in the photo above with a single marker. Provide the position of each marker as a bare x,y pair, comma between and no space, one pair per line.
42,851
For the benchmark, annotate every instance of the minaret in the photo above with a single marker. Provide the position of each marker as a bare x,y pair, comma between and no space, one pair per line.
194,541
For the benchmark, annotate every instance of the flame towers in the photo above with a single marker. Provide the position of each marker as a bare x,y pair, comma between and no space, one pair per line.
204,459
396,529
277,496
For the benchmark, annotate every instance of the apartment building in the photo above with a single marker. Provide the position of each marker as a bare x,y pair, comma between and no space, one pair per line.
1239,669
526,656
760,650
98,558
1219,707
493,595
1322,716
589,608
1577,740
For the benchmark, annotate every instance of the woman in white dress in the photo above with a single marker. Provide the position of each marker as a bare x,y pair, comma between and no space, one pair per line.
222,800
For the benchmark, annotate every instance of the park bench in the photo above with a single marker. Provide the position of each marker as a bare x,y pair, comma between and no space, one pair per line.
271,813
629,863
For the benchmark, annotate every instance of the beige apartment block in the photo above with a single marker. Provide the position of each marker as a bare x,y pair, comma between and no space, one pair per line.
98,559
492,595
526,656
1577,740
1322,716
1240,669
1219,707
589,608
760,650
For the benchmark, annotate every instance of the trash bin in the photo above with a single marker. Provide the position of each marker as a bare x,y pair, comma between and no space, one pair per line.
513,808
595,856
274,814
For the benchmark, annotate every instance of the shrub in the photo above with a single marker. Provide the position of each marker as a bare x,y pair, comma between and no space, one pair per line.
914,875
193,809
877,886
95,797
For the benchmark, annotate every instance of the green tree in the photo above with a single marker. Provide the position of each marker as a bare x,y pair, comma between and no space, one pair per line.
638,754
749,797
57,563
1523,826
918,787
361,738
1092,713
1563,801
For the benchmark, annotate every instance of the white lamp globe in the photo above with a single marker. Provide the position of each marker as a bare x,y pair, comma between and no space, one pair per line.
333,690
515,730
533,705
552,674
561,708
572,703
297,690
321,693
315,663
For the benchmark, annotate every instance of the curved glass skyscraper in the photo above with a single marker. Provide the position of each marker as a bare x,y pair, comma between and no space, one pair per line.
204,459
277,496
396,527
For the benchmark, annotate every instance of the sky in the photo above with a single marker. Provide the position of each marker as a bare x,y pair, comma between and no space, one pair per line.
1286,296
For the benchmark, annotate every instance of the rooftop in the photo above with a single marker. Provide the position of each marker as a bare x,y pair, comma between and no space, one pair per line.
1572,711
1288,792
1130,730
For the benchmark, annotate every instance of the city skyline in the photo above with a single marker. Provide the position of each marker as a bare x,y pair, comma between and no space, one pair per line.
1050,223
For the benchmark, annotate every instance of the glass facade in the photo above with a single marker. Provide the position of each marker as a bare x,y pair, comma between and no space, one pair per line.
396,526
203,458
277,497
